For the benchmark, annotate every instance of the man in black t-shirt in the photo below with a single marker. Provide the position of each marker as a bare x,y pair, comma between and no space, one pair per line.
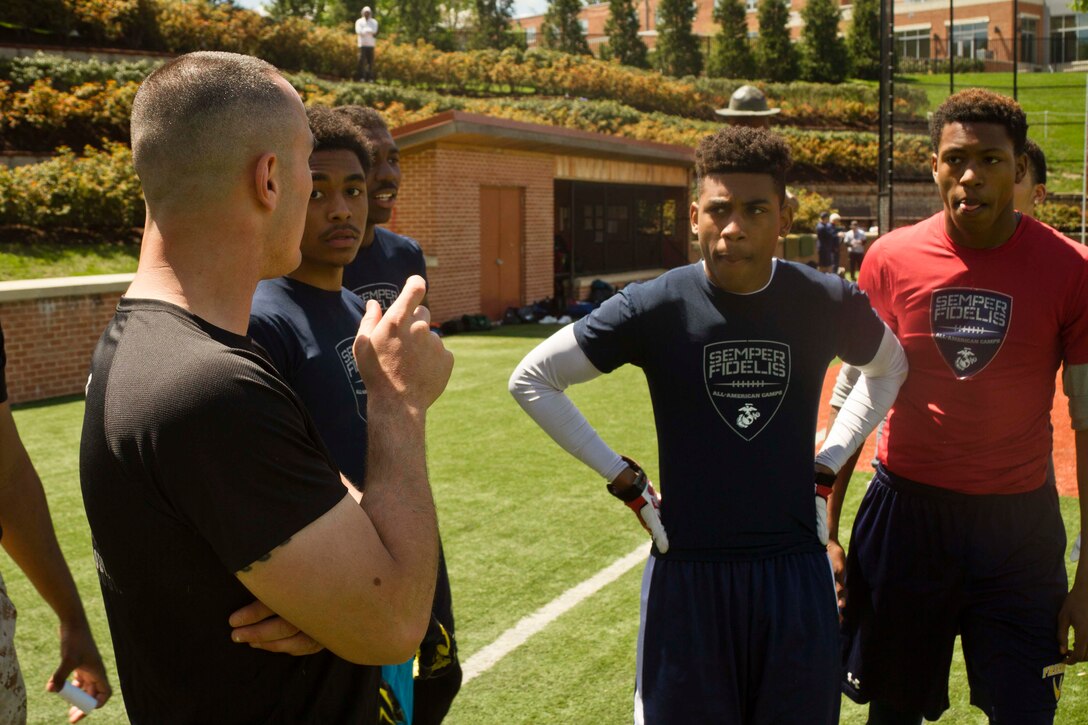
384,261
205,481
738,620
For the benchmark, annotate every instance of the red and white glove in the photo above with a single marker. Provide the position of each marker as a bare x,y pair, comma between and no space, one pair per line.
641,498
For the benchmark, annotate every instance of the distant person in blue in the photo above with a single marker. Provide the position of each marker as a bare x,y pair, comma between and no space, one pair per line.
738,618
827,244
385,260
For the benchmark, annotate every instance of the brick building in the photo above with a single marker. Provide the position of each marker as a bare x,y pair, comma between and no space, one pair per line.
1051,34
508,212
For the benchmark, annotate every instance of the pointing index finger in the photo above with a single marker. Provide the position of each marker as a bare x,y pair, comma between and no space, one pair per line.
409,299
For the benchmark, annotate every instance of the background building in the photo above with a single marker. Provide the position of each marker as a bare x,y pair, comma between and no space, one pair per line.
1050,33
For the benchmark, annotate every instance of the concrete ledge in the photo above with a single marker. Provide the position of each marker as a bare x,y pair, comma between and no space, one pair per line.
34,289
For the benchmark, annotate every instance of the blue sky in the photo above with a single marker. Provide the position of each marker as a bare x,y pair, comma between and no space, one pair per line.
521,7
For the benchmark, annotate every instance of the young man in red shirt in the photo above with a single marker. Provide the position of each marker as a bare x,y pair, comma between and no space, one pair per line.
958,533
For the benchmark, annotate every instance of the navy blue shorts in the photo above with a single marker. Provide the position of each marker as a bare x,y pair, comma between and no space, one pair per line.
752,642
926,564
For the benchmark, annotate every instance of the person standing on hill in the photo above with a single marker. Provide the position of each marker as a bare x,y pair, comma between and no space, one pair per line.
366,30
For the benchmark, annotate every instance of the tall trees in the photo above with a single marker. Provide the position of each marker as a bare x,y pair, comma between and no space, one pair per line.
863,39
677,52
731,56
493,24
776,58
622,29
561,29
823,53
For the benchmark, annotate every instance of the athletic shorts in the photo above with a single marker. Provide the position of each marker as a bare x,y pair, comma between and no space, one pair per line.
438,677
12,689
826,256
752,642
926,564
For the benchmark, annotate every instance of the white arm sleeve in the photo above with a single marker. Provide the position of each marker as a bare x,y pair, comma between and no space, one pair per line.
538,383
867,403
844,383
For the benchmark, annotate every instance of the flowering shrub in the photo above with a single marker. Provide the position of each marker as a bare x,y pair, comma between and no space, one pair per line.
1063,217
98,191
42,118
63,72
808,213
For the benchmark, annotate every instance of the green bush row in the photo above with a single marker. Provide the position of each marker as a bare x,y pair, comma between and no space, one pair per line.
515,73
181,26
41,118
98,191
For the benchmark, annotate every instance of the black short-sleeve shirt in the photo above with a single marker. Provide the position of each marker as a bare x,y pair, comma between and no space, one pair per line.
735,382
196,460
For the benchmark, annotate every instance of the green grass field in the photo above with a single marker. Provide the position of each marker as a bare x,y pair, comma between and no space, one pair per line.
31,260
522,522
1054,103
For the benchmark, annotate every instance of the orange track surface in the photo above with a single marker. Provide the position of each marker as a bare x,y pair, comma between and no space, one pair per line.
1065,457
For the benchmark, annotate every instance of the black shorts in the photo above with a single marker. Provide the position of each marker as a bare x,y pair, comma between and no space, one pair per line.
826,256
751,642
927,564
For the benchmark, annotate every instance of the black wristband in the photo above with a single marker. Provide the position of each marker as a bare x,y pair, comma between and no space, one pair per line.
633,491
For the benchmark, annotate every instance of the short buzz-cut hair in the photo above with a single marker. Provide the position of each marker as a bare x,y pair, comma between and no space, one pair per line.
201,115
1036,162
333,132
742,149
366,119
977,105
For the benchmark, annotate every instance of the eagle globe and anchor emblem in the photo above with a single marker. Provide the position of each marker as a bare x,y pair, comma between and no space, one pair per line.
748,414
969,326
965,358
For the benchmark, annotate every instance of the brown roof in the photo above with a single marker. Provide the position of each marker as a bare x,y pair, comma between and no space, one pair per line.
476,129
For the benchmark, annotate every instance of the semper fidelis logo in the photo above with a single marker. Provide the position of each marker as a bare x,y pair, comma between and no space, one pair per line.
746,381
351,373
385,293
969,327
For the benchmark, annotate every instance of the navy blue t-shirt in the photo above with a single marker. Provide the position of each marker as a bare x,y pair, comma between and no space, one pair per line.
735,382
308,334
379,270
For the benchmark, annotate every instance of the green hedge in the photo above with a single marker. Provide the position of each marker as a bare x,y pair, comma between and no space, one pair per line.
98,191
181,26
42,117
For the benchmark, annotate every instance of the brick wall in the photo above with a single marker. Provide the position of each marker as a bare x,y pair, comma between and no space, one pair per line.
439,205
50,330
913,200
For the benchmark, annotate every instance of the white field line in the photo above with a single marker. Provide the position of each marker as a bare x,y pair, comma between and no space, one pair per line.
511,639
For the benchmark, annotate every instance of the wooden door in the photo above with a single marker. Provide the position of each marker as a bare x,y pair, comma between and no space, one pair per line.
501,212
